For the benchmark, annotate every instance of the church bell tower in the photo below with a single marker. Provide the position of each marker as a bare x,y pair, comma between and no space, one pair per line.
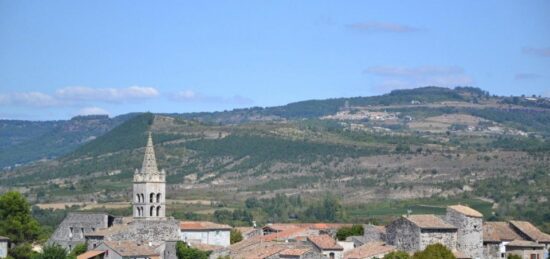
149,187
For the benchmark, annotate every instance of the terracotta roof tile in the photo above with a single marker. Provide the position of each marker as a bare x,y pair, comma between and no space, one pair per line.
498,231
90,254
429,221
294,251
130,248
531,231
466,211
202,225
324,242
524,243
368,250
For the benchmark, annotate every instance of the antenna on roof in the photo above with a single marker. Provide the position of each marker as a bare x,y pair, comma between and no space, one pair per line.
254,224
409,211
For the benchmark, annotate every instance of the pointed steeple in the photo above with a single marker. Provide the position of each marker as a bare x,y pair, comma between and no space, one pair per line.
149,165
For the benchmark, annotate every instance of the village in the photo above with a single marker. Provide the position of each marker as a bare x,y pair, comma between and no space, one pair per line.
150,234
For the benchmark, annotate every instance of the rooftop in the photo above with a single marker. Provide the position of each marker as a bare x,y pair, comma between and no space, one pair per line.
531,231
466,211
90,254
324,242
130,248
294,251
202,225
498,231
4,238
524,243
429,221
368,250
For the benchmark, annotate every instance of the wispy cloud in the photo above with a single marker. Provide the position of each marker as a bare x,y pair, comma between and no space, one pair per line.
541,52
397,77
76,95
526,76
382,27
192,96
92,111
83,93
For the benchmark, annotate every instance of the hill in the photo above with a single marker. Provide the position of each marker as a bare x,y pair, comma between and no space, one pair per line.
378,155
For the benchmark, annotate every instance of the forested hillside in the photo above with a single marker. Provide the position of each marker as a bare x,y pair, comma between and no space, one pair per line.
418,149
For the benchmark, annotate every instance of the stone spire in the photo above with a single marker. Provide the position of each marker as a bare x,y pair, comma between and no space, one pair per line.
149,165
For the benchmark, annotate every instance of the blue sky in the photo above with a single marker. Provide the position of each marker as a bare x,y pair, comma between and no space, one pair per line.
63,58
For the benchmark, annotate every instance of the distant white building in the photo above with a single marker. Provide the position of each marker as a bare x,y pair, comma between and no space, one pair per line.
4,246
204,232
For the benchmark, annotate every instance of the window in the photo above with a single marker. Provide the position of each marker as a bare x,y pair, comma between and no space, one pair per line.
151,211
138,198
158,211
158,197
331,255
151,197
142,198
94,245
81,232
70,232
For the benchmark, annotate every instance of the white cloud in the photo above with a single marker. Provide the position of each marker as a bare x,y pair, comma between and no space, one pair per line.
93,111
82,93
36,99
541,52
395,77
382,27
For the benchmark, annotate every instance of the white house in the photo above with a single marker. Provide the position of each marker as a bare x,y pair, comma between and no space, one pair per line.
204,232
327,246
4,246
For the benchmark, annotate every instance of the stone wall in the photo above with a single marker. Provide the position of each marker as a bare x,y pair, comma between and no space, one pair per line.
372,233
404,235
469,233
491,251
148,231
446,237
72,229
210,237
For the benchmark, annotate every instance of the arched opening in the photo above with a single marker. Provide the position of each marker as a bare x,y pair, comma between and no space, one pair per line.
158,197
137,198
142,197
151,197
158,211
151,211
331,255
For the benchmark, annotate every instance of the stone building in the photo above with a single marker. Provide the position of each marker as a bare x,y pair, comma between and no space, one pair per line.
327,246
501,239
149,187
469,224
412,233
74,228
369,250
203,232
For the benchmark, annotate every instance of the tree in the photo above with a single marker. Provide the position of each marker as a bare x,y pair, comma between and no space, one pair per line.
235,236
17,223
434,251
52,252
344,232
183,251
78,250
397,255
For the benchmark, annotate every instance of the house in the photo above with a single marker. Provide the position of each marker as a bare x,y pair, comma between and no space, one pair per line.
94,254
205,232
529,232
369,251
74,228
327,246
503,238
413,233
4,243
469,224
249,232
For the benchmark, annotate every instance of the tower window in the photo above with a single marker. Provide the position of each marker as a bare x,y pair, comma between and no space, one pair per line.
158,211
158,197
138,198
70,232
151,197
151,211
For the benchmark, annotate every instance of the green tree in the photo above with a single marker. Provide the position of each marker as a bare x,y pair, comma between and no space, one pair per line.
235,236
52,252
397,255
183,251
17,223
344,232
78,250
434,251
